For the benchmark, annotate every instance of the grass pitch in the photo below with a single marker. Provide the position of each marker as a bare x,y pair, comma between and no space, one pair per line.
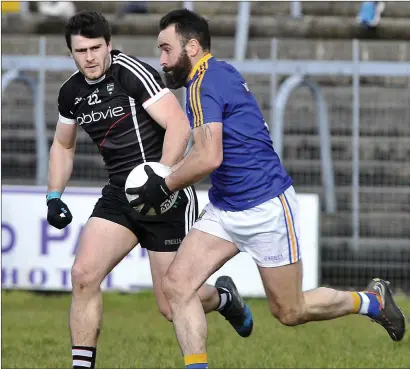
135,335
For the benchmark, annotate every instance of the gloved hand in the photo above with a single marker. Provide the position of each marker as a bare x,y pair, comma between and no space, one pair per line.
152,194
58,215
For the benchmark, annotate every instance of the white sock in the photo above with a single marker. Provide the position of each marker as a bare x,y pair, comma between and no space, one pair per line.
224,297
83,357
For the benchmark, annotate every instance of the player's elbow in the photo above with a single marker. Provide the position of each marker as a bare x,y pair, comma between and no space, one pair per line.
214,161
209,157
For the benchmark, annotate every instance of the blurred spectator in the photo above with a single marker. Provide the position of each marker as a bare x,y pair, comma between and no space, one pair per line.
370,13
60,9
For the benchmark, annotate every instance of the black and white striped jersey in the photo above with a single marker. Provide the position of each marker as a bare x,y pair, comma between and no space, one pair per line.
112,111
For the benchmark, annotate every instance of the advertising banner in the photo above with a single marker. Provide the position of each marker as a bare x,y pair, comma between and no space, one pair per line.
39,257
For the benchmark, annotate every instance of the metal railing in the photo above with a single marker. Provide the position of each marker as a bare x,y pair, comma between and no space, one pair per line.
296,9
283,95
37,89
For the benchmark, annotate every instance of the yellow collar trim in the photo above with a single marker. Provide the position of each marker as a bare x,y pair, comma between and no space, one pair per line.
205,58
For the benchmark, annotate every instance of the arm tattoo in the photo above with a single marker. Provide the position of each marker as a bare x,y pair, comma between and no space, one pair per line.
207,131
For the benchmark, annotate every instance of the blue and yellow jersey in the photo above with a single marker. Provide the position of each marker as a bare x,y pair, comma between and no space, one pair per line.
251,172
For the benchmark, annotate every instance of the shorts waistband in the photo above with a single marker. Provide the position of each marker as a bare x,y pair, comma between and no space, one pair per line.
117,181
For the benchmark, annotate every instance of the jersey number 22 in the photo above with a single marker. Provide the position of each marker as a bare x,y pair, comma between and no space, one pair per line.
93,99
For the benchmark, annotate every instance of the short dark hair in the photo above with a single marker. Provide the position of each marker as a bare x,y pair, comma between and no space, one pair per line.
87,24
188,25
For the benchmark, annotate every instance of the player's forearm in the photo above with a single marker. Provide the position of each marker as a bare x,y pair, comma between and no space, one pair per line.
193,168
178,165
175,143
181,162
60,167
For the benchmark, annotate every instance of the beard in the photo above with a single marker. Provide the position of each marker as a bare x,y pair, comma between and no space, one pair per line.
93,76
176,76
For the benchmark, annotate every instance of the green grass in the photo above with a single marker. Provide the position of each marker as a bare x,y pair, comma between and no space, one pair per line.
135,335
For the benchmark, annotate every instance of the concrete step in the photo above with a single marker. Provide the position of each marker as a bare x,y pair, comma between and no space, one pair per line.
383,91
223,47
385,257
27,158
304,172
343,267
371,198
372,173
54,80
23,166
368,245
345,9
346,269
307,147
323,26
29,135
298,153
383,110
392,224
383,148
336,93
24,142
295,123
299,120
335,8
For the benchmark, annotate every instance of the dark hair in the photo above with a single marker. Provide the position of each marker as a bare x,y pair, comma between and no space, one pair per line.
189,25
87,24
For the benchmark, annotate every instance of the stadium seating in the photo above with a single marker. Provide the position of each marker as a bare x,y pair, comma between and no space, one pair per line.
324,33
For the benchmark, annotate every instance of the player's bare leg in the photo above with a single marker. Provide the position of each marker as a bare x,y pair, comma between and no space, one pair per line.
159,263
198,257
283,286
103,245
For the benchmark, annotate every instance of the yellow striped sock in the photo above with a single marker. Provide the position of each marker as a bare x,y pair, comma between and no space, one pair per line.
196,359
357,301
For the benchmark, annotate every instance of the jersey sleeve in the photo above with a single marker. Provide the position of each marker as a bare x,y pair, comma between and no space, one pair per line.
141,81
65,114
205,99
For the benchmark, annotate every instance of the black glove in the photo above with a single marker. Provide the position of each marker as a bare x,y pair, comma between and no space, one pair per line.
58,214
152,194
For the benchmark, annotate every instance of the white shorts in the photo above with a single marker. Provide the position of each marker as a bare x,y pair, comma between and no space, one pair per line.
269,232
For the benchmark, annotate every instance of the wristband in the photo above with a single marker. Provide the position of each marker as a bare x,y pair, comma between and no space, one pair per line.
53,195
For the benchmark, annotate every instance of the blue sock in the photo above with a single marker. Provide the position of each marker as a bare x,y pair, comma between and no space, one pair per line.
370,304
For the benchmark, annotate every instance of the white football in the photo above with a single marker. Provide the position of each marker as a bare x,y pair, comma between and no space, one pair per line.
138,177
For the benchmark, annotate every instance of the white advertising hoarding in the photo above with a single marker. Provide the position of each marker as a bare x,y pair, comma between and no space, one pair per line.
38,256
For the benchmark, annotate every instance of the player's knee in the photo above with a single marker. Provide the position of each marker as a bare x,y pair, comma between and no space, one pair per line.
169,287
173,290
289,316
82,278
165,310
